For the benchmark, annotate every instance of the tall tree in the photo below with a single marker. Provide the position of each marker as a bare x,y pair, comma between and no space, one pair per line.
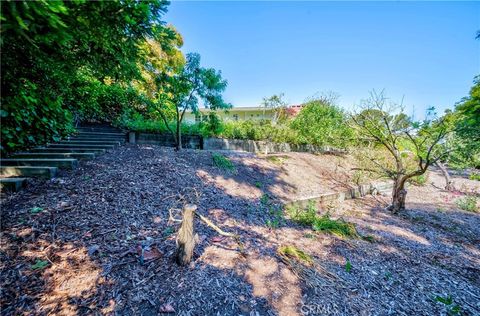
394,147
65,45
277,103
184,89
321,122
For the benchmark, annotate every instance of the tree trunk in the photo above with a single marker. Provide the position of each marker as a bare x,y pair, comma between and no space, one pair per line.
399,195
178,139
448,181
185,236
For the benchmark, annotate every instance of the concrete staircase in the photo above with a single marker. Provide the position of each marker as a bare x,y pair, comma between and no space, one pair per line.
44,162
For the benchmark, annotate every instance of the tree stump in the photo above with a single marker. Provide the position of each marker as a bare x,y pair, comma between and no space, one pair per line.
185,236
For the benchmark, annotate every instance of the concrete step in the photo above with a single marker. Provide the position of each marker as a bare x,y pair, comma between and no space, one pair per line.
89,142
80,146
12,184
86,156
28,171
99,139
99,129
60,163
96,151
102,134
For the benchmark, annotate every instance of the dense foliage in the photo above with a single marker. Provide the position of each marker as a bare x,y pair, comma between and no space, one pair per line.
466,139
71,59
321,122
183,89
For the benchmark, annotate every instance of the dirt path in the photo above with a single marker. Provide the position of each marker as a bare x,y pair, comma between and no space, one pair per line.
98,241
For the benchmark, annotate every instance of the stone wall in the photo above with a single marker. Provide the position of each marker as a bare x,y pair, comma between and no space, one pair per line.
188,141
264,146
347,194
198,142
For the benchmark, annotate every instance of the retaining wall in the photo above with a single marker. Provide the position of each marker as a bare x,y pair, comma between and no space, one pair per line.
188,141
347,194
198,142
264,146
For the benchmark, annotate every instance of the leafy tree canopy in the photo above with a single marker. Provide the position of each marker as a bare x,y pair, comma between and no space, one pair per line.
65,57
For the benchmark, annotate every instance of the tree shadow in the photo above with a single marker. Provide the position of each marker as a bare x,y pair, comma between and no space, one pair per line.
95,218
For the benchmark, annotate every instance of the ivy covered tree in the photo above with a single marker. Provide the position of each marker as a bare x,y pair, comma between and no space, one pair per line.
184,89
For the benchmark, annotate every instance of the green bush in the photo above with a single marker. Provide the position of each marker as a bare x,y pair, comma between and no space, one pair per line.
474,176
309,217
467,203
321,123
223,162
137,122
31,117
258,130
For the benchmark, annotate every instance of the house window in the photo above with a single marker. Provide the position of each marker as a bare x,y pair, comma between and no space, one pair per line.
235,117
198,118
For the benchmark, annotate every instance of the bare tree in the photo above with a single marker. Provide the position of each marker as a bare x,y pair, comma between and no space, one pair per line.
395,147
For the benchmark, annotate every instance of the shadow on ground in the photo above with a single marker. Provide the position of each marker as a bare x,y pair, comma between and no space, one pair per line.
84,233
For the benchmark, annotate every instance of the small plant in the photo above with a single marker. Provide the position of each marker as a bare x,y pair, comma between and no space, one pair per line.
168,231
258,184
452,309
39,264
337,227
467,203
388,276
474,176
278,160
348,266
264,199
272,223
223,163
277,219
369,238
302,216
36,210
294,252
309,217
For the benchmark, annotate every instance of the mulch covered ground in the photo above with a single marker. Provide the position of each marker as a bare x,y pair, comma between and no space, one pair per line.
100,240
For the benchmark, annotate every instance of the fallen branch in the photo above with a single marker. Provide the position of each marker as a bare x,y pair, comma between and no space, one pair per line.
222,233
215,227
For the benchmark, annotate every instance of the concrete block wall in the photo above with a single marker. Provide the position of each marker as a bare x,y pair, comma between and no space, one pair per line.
188,141
264,146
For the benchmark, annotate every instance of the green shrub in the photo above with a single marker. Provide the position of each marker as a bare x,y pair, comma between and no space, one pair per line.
137,122
467,203
309,217
32,117
474,176
302,216
223,162
321,122
296,253
336,227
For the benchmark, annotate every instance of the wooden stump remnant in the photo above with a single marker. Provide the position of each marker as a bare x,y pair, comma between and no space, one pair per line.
185,237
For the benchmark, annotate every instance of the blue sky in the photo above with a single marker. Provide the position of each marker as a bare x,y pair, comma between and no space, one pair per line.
425,52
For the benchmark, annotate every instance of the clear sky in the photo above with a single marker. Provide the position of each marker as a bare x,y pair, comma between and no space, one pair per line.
424,51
